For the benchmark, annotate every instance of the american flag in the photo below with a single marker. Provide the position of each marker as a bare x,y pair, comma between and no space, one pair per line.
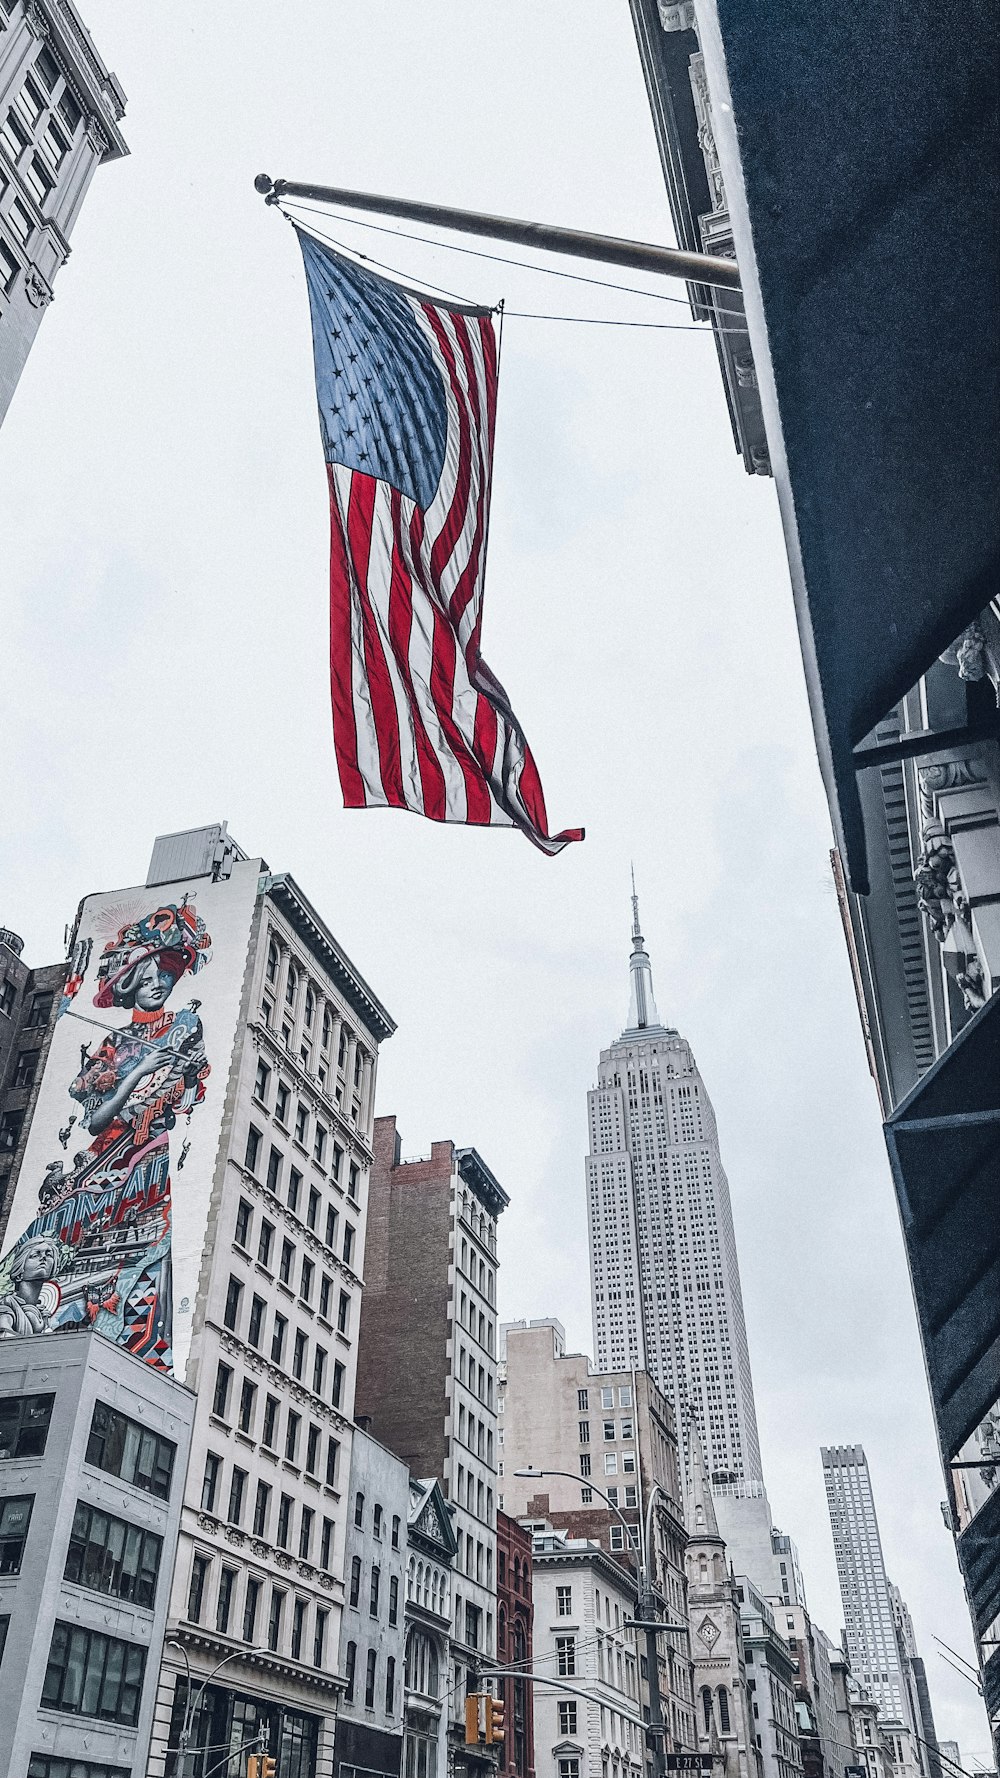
407,403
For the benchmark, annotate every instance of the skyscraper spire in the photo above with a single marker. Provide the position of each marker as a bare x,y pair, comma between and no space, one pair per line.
642,1006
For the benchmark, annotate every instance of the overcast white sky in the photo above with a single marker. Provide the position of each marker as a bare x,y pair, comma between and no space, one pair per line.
164,562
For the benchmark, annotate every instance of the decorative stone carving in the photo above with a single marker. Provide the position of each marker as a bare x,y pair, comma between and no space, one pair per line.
761,462
207,1523
281,1560
976,654
35,288
235,1537
35,18
746,375
941,897
706,132
97,138
677,15
260,1549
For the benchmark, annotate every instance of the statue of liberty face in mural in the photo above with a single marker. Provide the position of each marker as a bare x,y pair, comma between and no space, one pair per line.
98,1250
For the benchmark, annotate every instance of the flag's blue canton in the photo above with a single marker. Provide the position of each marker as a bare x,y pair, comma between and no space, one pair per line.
382,402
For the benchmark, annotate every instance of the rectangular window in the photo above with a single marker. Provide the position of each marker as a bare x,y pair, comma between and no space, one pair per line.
319,1369
390,1685
306,1277
306,1519
352,1182
224,1604
89,1674
223,1384
631,1495
14,137
9,267
319,1145
299,1354
278,1338
285,1505
393,1599
325,1288
250,1607
359,1509
252,1155
281,1098
261,1081
231,1312
15,1517
292,1436
584,1426
370,1680
628,1462
395,1531
373,1591
196,1591
625,1397
302,1124
628,1428
237,1491
24,1424
258,1309
312,1450
244,1218
607,1398
350,1664
584,1462
611,1462
248,1395
271,1408
609,1432
332,1455
355,1590
567,1717
274,1160
564,1601
338,1383
298,1628
566,1656
343,1312
262,1506
313,1208
69,110
294,1188
286,1262
331,1226
319,1636
274,1618
27,1062
123,1448
210,1482
349,1233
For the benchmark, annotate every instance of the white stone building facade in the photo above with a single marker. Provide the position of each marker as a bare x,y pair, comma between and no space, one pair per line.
590,1725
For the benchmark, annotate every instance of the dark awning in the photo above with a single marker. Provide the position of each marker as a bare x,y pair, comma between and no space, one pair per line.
944,1146
867,227
978,1549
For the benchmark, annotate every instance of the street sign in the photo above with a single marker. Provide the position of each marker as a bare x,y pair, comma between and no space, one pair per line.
689,1762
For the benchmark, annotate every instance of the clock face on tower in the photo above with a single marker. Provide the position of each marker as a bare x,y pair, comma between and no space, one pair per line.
709,1632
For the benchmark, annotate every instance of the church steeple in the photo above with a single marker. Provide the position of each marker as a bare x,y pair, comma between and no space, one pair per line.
641,1007
702,1523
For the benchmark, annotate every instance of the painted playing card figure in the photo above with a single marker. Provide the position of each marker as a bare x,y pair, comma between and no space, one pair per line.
103,1229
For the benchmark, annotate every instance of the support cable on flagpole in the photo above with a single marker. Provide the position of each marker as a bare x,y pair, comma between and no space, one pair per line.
355,253
549,271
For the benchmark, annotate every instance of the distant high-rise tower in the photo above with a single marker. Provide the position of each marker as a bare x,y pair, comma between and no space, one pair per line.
665,1278
873,1646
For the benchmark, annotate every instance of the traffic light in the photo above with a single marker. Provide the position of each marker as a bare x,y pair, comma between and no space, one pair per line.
268,1766
474,1718
494,1721
253,1766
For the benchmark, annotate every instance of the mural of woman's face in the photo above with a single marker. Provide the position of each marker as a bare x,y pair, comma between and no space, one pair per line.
38,1262
153,985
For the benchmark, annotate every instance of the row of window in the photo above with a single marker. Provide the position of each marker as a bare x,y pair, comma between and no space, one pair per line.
607,1399
318,1374
238,1498
311,1211
374,1590
371,1678
327,1159
115,1444
245,1617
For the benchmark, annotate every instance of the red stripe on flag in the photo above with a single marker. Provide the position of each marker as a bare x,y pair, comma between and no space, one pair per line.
345,736
443,653
432,781
360,511
448,536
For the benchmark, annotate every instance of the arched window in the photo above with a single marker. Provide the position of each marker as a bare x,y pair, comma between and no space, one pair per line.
310,1013
517,1574
703,1569
291,984
706,1706
272,961
723,1710
327,1027
501,1631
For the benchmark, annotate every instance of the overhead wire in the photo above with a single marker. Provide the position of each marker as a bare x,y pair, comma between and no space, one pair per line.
285,207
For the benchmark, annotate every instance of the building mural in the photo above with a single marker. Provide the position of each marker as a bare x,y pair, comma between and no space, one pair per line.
123,1142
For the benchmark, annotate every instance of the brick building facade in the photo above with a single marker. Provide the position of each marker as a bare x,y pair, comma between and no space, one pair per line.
28,1000
515,1616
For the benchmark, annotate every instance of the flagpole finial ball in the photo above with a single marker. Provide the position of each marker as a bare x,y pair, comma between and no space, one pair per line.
263,183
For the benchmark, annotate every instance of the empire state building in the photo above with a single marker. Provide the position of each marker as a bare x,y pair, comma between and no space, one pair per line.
665,1279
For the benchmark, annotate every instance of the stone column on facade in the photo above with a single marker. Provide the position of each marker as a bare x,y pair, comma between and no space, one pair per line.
20,47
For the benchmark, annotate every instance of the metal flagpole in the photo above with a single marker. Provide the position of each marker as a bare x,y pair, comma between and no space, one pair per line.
643,256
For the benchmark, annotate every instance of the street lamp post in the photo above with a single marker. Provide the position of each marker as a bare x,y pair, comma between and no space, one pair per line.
646,1603
191,1703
